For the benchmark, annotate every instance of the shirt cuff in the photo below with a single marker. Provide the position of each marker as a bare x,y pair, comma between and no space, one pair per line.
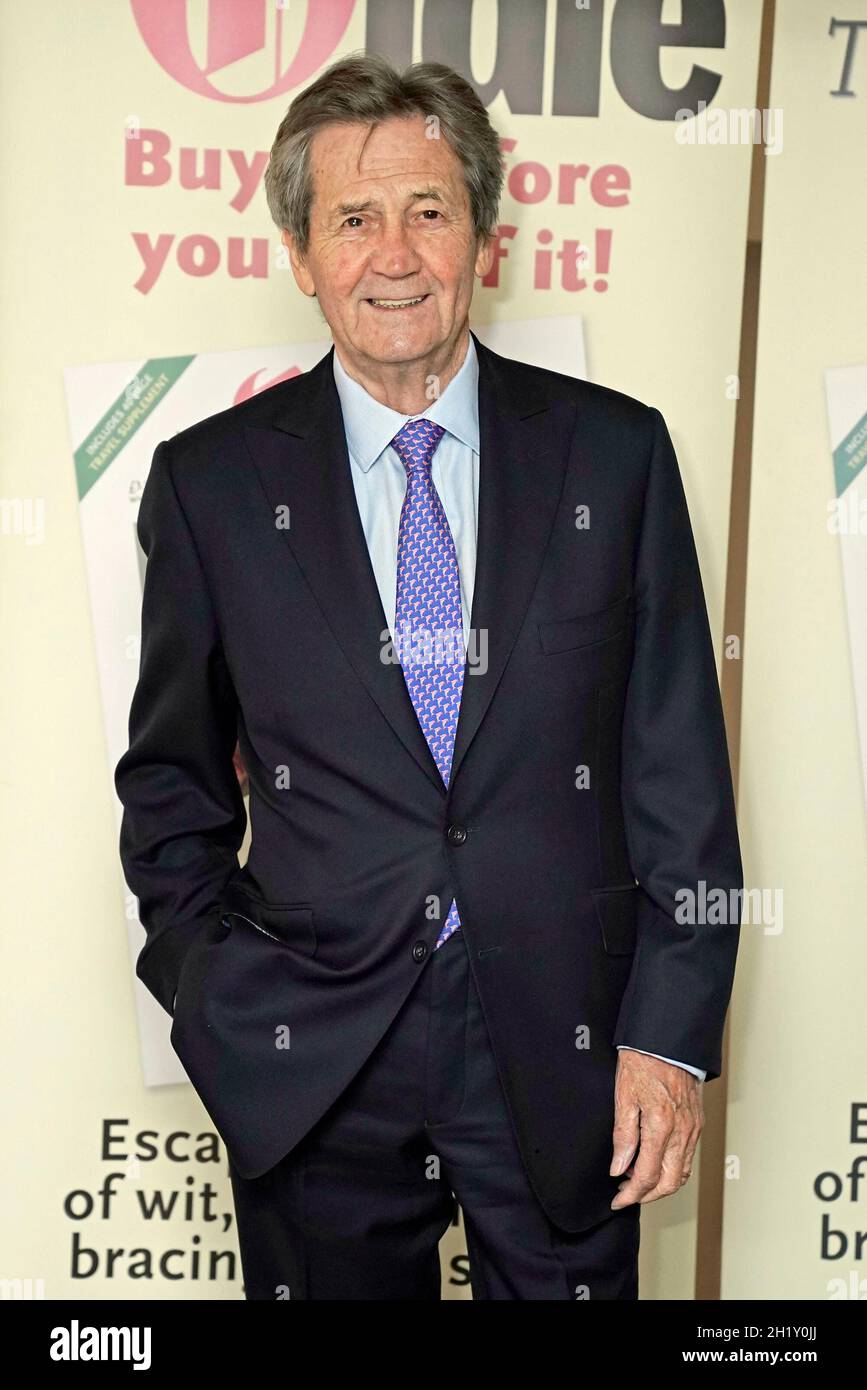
696,1071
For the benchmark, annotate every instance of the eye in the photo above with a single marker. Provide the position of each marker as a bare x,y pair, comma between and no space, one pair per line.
354,218
434,211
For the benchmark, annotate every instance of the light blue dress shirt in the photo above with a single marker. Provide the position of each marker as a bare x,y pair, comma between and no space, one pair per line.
379,479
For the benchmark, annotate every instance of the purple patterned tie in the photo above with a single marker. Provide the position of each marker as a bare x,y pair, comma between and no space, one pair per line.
429,636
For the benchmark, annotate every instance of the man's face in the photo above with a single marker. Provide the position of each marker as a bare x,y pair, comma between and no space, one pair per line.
391,222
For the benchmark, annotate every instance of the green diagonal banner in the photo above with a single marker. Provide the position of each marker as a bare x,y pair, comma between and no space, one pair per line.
850,456
120,422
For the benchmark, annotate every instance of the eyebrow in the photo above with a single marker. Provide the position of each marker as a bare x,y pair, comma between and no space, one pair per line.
349,209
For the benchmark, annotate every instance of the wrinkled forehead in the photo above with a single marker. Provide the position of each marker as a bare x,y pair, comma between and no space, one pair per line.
396,158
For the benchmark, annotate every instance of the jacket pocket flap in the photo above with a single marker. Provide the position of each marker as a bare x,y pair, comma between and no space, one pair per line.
290,923
617,910
585,628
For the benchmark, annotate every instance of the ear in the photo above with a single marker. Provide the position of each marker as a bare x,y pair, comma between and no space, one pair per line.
484,256
303,278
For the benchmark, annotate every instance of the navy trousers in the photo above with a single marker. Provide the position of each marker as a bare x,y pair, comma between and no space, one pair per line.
357,1209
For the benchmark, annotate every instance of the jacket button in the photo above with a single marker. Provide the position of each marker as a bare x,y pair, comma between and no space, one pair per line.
419,950
456,834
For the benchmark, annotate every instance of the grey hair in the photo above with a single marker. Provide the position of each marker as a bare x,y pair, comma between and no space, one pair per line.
365,89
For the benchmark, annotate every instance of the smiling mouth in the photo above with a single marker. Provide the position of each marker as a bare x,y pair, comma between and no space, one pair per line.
393,305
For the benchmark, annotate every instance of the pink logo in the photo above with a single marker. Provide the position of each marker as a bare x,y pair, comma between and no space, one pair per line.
249,388
236,29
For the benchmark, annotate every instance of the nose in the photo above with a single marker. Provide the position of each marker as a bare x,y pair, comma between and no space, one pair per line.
394,253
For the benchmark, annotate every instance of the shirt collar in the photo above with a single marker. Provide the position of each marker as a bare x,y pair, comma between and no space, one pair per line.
370,426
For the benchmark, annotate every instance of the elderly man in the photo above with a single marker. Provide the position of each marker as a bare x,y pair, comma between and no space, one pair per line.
485,748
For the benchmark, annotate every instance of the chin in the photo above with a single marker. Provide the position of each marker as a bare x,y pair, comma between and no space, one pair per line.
399,347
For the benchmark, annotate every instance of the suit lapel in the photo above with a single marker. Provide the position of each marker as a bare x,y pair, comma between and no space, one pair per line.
524,444
303,463
299,450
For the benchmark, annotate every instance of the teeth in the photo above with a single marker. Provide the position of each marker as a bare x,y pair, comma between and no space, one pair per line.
397,303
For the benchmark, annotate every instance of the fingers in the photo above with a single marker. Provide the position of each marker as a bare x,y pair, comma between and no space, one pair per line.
627,1110
692,1144
669,1131
648,1169
625,1134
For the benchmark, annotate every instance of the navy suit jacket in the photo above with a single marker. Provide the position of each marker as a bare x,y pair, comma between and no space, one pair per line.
262,623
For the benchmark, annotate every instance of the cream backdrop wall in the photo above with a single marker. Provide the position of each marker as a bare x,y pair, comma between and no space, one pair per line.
77,78
800,1060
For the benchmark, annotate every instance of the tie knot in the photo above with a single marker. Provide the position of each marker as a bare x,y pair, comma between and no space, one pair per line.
415,444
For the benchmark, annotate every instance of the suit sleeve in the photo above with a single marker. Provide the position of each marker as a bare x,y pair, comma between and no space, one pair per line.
184,817
677,792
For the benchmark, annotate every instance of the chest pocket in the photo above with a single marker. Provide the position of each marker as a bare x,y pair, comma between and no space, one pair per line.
585,629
